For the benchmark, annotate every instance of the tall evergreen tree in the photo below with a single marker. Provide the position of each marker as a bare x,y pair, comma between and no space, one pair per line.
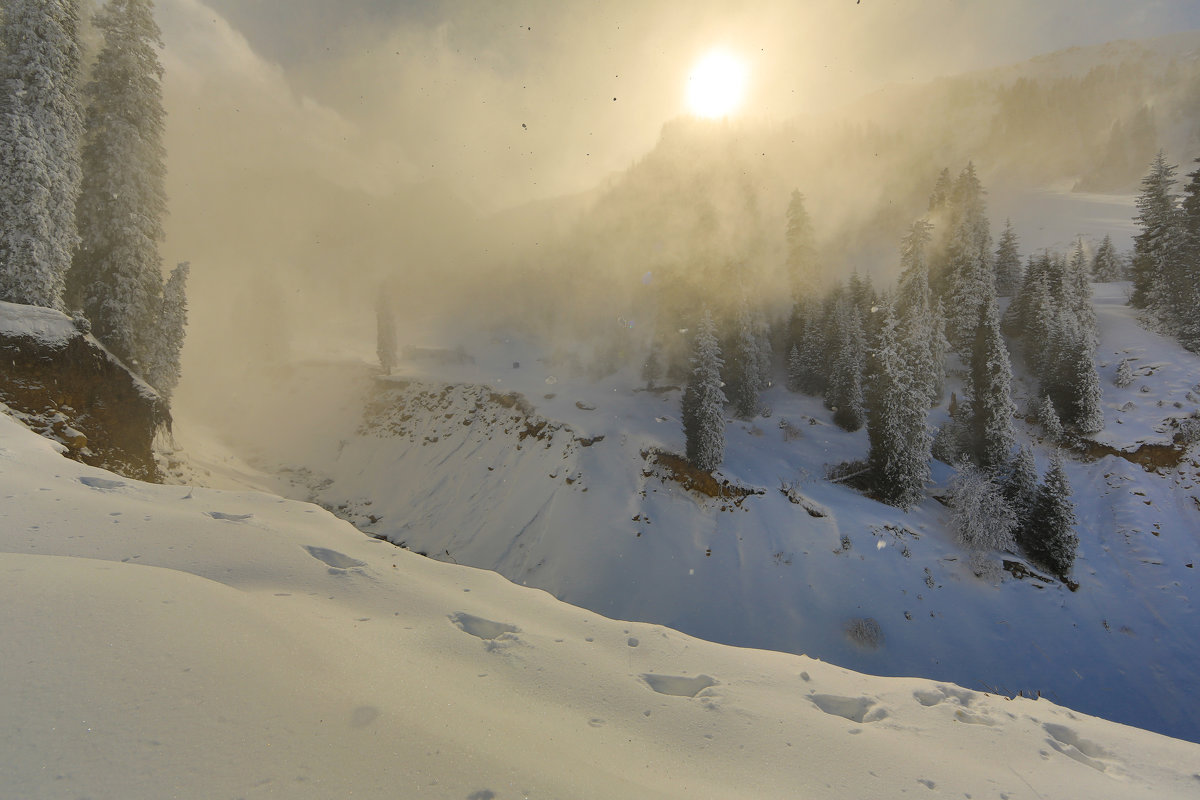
742,375
163,364
847,351
970,283
1188,279
920,331
1052,535
1020,490
899,457
803,270
1157,246
40,130
385,335
117,275
1106,264
1008,262
991,406
809,335
704,401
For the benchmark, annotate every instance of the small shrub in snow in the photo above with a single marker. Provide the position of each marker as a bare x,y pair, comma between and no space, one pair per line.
1124,374
865,632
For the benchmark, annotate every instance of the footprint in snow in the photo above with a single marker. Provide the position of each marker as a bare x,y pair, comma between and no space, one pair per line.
333,558
1066,741
855,709
228,517
102,483
678,685
482,628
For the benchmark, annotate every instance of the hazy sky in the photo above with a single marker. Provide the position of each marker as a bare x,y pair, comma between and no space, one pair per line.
512,100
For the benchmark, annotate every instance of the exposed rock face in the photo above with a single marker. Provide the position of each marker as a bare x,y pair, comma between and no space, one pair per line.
65,385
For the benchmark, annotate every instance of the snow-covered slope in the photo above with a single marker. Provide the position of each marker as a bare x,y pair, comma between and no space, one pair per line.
192,643
557,486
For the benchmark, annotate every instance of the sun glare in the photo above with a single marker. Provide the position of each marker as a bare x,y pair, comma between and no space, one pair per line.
716,85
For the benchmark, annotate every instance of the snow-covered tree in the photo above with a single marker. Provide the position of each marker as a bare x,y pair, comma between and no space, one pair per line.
795,370
1075,387
920,333
744,378
809,336
1124,376
1047,417
1052,536
1008,262
117,274
1020,488
1186,289
1158,245
970,280
385,335
1106,263
40,131
1077,293
704,401
802,267
900,443
162,365
982,519
847,351
990,392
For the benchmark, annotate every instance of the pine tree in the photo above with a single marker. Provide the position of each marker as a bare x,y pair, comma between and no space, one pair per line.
1106,264
40,130
1188,280
743,376
991,406
385,335
117,274
1124,376
795,370
982,518
163,365
1158,245
900,443
1077,293
1020,490
1075,387
809,330
920,333
703,401
803,270
1047,417
1052,537
844,391
1008,262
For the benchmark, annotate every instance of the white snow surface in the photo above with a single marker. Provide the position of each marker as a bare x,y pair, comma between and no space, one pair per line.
169,641
599,527
46,325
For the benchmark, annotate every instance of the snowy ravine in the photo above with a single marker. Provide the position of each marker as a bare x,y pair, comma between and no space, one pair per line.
192,643
551,487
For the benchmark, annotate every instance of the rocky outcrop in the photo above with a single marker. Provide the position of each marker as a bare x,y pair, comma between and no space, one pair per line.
65,385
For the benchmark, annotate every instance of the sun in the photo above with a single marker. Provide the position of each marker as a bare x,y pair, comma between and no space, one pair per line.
716,85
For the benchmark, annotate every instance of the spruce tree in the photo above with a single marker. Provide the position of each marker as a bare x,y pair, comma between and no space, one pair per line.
795,370
163,365
743,376
40,130
1187,282
1008,262
991,406
1106,264
704,401
1158,245
801,249
900,443
920,332
1052,536
1047,417
385,335
1124,376
847,354
809,329
1020,490
117,275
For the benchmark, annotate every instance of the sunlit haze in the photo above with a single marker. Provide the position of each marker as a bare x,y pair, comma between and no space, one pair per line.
717,85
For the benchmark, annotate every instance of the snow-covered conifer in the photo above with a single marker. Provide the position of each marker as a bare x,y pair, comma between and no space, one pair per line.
1124,376
1052,535
1158,245
1008,262
1077,293
1020,488
801,249
982,518
795,370
40,130
900,443
919,332
847,351
743,376
1047,417
117,274
991,393
1106,264
163,365
809,330
385,335
1187,281
704,401
1076,385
